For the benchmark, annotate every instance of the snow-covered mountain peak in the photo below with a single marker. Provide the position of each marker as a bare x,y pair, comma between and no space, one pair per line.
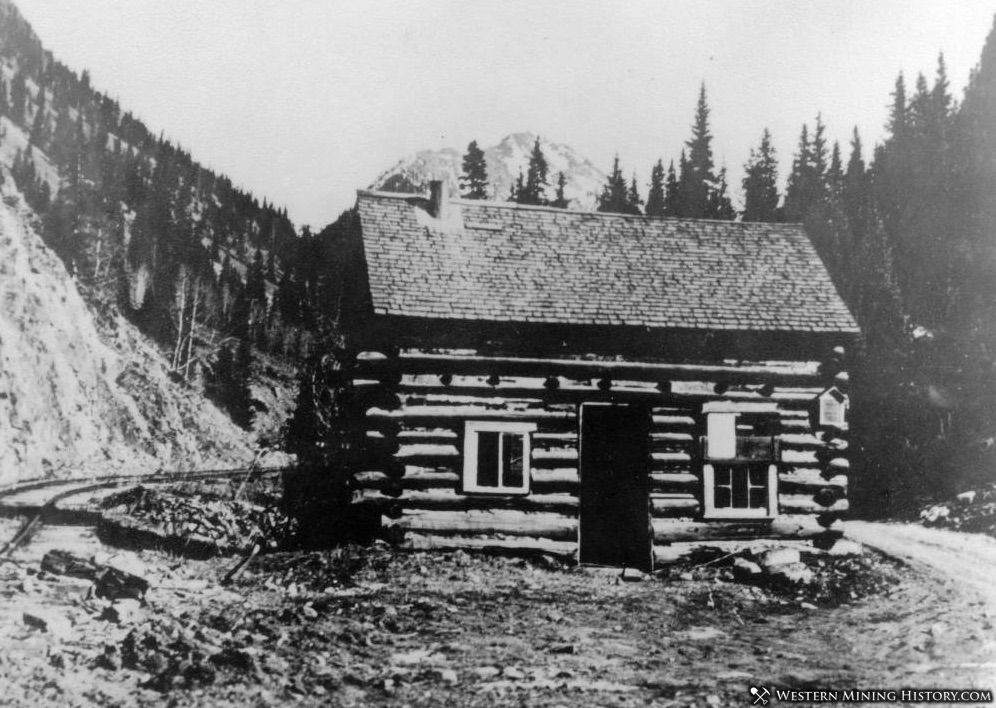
584,180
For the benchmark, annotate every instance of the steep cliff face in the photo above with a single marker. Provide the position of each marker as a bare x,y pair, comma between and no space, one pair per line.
78,397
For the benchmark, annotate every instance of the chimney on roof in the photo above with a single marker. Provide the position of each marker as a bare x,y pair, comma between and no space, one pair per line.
437,199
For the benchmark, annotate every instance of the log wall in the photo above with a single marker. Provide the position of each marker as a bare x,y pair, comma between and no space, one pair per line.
416,405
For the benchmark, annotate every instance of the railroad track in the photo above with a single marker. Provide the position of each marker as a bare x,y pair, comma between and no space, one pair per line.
77,501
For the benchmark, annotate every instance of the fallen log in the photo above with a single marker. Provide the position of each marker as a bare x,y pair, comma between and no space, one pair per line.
109,582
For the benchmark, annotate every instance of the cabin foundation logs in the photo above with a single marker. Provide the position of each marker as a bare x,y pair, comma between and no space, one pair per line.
416,406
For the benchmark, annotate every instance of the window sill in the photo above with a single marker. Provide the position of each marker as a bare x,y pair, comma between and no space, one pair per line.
739,515
495,492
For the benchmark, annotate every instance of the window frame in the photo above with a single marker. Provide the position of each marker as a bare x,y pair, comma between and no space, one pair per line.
470,446
709,510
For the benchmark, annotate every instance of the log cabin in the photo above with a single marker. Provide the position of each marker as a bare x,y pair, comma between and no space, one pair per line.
592,385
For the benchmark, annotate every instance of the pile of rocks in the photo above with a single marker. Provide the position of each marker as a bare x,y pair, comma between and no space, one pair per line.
805,574
228,523
177,655
973,511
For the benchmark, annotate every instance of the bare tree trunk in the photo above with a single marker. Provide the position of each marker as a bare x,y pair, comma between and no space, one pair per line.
179,331
190,337
96,266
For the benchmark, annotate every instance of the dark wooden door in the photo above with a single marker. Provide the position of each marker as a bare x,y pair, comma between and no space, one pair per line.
615,515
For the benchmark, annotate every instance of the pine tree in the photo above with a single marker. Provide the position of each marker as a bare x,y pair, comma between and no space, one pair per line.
835,172
18,98
898,114
633,200
216,382
240,396
819,152
856,188
720,206
800,187
560,202
655,195
474,180
256,280
614,194
807,181
760,182
518,189
325,434
696,179
534,190
672,192
38,129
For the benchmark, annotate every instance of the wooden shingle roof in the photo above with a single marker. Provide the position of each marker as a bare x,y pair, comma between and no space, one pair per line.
503,262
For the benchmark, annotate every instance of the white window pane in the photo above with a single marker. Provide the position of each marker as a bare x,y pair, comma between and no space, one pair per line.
721,431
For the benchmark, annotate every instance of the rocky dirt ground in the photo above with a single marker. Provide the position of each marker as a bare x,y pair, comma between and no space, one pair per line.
373,626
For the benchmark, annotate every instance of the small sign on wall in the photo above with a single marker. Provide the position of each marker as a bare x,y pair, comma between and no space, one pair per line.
830,409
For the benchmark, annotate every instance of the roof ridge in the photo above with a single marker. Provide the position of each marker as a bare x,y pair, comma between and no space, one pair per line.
558,210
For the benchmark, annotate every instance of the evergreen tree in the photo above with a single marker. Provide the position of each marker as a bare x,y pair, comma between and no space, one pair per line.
760,182
474,180
38,129
560,201
326,435
518,189
271,265
856,188
672,191
534,190
897,115
18,98
256,280
799,188
655,195
633,200
720,206
614,194
240,397
216,382
696,179
227,383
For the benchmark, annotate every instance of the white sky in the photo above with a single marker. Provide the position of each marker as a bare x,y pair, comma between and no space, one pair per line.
304,101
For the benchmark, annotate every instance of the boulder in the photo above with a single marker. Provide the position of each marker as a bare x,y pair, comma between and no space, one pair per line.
792,574
632,575
746,571
55,624
843,547
780,556
124,611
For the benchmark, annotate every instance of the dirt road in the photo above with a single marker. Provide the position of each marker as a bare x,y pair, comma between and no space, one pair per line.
966,561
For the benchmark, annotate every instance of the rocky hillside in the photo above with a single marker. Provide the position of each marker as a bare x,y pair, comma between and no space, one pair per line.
82,397
505,160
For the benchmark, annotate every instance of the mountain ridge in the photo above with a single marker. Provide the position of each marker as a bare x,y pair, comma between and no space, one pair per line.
584,180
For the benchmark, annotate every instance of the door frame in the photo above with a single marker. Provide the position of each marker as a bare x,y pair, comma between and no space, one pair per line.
646,470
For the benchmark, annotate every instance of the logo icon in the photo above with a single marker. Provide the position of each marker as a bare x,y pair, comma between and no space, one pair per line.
760,695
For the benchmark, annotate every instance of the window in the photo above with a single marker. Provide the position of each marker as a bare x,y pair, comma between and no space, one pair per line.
740,491
721,436
739,478
496,457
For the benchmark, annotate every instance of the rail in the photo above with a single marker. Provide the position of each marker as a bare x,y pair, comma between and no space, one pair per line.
46,509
